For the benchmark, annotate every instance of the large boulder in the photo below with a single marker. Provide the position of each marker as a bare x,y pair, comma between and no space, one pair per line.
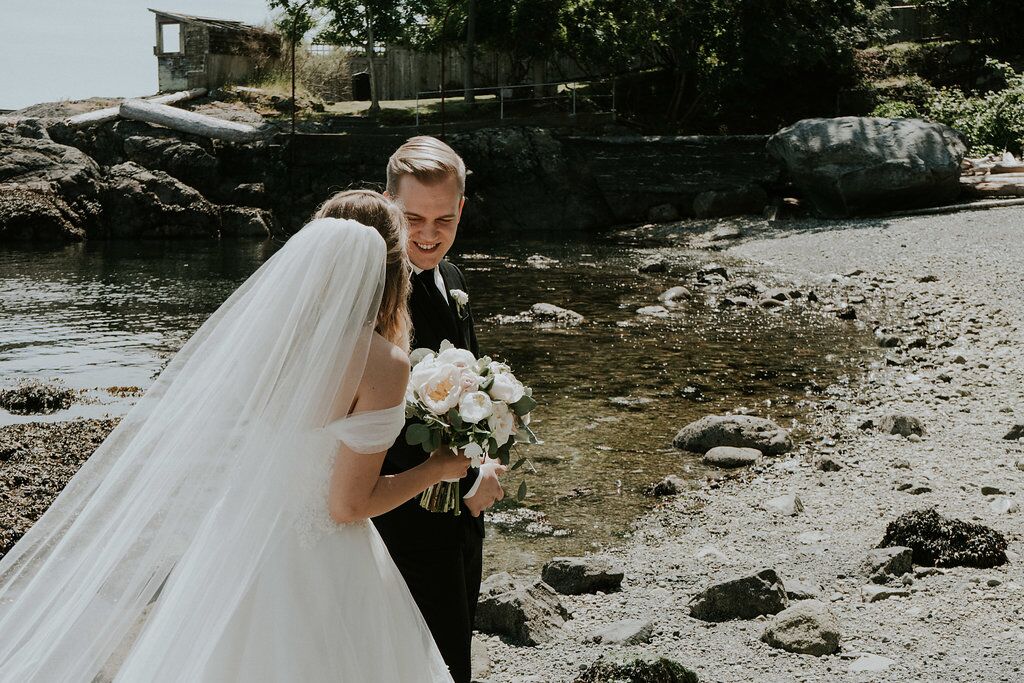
807,628
47,190
576,575
856,165
523,613
144,203
942,542
741,598
36,215
739,431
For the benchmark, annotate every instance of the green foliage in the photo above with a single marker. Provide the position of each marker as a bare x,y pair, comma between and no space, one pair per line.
991,121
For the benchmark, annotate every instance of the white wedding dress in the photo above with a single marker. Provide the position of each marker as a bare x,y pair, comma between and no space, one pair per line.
195,544
328,603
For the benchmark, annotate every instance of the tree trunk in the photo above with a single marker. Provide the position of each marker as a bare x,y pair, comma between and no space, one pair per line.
374,97
467,71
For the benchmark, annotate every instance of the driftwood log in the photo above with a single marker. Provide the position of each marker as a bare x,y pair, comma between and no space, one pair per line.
110,113
188,121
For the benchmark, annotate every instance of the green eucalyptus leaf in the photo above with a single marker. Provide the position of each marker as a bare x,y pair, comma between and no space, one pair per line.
416,434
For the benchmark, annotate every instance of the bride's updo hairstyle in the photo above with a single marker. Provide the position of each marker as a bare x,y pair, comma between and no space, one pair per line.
376,211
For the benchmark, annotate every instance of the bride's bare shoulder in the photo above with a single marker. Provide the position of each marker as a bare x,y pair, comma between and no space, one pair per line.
386,374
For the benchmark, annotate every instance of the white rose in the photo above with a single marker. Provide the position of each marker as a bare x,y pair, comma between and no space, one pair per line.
470,380
474,406
475,453
459,296
460,357
497,368
506,387
501,423
442,389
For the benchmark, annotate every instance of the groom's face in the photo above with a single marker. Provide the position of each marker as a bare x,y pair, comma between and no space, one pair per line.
433,211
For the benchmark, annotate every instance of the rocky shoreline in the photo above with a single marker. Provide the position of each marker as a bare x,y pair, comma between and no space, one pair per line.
946,301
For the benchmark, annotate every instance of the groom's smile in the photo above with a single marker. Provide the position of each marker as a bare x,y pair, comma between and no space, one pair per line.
433,210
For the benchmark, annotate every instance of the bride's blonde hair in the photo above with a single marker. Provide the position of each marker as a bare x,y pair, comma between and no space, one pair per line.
375,210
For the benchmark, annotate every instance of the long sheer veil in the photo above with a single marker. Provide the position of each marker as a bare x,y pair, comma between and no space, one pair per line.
145,553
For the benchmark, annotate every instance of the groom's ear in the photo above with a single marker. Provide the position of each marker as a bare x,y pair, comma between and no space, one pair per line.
386,194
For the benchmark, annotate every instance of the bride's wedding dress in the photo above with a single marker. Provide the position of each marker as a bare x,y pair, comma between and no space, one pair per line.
195,544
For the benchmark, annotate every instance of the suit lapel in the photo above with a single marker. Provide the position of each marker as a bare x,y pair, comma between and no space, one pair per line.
431,322
450,283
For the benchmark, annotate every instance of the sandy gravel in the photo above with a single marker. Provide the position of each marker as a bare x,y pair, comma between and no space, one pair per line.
966,385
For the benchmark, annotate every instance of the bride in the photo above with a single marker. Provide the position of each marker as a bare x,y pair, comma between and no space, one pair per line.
220,532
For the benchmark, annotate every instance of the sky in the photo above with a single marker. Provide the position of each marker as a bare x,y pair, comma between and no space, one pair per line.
74,49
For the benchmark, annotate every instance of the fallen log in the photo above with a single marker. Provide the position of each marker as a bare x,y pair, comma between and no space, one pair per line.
994,188
955,208
188,121
110,113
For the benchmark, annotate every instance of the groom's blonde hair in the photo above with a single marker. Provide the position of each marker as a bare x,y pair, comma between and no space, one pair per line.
427,159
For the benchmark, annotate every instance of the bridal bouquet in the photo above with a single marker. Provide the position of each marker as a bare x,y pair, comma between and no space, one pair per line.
466,403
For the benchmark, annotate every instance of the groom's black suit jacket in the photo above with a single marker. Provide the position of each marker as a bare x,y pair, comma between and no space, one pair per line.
439,554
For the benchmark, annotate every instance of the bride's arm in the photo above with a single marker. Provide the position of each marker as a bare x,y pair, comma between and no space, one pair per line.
358,490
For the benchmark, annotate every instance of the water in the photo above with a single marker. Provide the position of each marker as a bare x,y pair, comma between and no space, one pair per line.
102,315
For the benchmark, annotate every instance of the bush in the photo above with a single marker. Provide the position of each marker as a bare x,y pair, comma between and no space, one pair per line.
991,122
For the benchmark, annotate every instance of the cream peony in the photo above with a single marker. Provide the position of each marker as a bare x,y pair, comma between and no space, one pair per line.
501,422
459,357
475,406
442,389
506,387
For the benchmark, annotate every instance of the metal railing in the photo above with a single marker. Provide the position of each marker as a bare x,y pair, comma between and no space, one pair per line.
563,91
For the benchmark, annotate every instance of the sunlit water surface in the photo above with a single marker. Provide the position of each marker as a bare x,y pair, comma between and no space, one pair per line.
107,314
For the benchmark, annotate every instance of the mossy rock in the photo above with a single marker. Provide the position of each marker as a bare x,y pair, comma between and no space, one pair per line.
942,542
637,668
36,398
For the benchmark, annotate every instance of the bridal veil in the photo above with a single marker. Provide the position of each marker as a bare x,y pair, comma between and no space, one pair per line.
154,541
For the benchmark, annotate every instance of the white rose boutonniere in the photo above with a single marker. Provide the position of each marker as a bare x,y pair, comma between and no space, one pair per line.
461,299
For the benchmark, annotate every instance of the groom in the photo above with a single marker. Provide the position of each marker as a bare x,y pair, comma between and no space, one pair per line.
439,554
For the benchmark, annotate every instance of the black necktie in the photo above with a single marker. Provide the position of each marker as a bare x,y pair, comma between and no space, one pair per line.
439,303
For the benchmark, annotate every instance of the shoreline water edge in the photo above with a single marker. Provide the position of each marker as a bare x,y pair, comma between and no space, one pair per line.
944,297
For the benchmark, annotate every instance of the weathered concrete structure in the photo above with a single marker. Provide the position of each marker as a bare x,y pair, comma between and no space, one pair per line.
200,52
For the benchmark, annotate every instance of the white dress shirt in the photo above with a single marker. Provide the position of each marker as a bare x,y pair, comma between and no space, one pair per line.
487,466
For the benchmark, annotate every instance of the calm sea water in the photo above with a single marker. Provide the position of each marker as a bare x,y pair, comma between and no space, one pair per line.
101,315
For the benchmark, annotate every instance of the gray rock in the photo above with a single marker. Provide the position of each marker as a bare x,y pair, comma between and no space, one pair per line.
788,504
245,221
36,215
827,463
1016,432
154,204
711,269
539,261
577,575
653,264
631,402
797,589
625,632
807,628
550,313
653,311
851,165
525,614
898,423
729,456
662,213
724,232
480,661
883,564
669,486
741,598
743,431
873,592
748,199
674,294
870,663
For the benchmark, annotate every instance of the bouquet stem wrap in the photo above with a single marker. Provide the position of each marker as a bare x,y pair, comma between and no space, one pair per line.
442,497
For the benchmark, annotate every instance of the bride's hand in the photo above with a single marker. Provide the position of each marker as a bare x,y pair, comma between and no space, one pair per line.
449,464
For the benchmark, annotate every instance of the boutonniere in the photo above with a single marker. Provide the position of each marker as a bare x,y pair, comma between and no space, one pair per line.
461,299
